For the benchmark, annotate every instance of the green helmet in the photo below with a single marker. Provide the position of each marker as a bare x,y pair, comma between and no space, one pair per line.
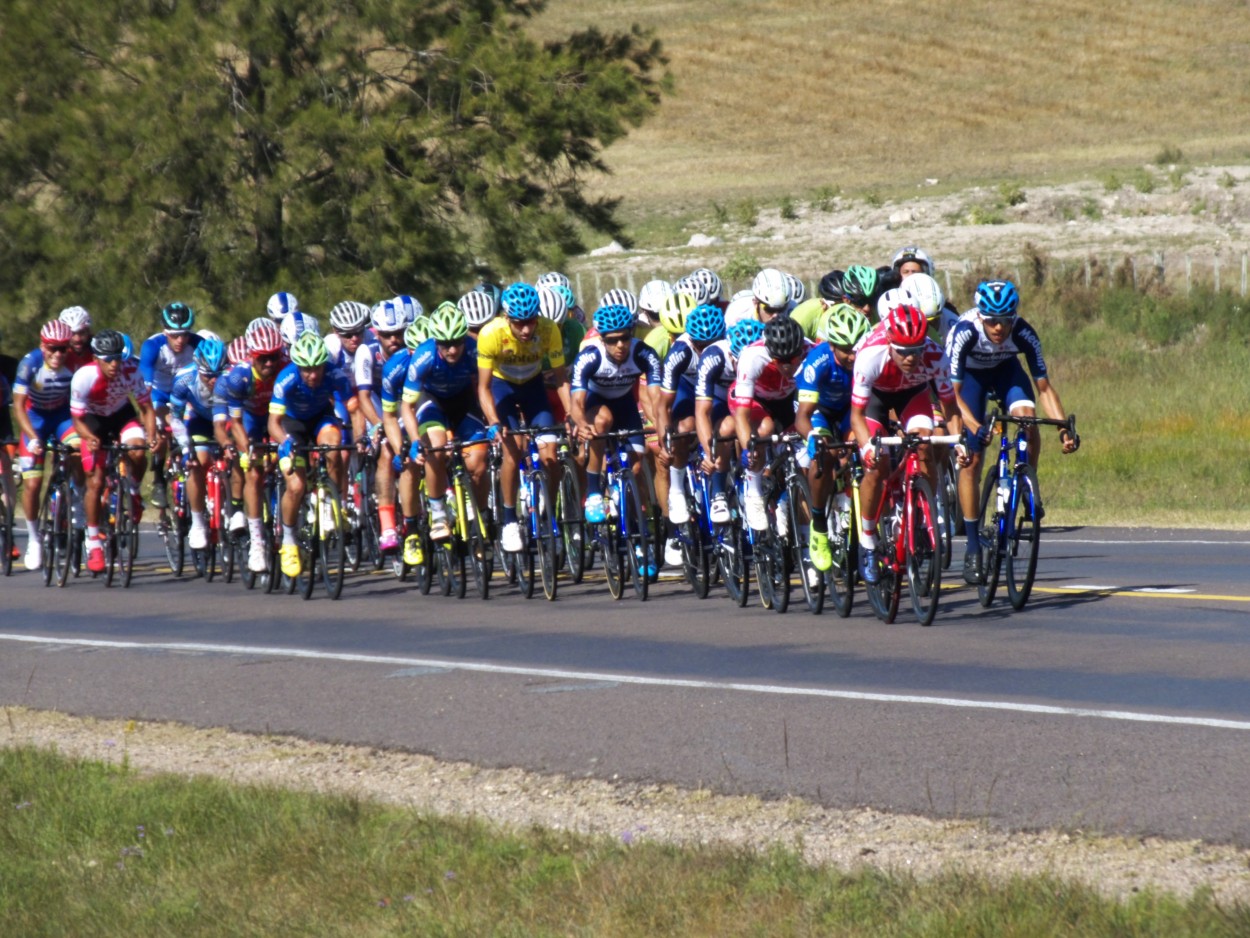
309,350
447,323
859,284
417,332
844,325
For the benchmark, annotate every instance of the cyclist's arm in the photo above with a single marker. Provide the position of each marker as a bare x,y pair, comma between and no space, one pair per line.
149,420
703,424
394,433
803,417
561,376
23,419
485,396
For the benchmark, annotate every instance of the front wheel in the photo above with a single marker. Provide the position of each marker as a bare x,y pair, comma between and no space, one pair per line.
731,557
1024,536
883,596
989,533
924,551
572,523
332,540
842,546
639,548
799,504
546,535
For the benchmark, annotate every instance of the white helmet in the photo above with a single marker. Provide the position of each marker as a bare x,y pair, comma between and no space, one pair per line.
295,324
797,290
619,297
552,305
349,316
912,253
206,334
771,288
653,294
552,279
388,316
890,299
741,306
926,292
410,306
282,304
693,286
711,283
76,318
478,308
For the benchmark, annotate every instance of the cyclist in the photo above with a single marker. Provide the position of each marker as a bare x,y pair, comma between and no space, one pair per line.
894,368
605,375
41,405
301,411
103,397
510,354
771,291
554,303
479,308
762,400
984,349
440,401
718,366
79,322
243,394
161,357
676,405
928,296
281,305
295,324
861,288
196,421
389,320
911,260
650,298
824,392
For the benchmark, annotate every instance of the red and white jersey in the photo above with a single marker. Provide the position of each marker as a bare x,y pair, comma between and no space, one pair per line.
92,393
875,370
759,377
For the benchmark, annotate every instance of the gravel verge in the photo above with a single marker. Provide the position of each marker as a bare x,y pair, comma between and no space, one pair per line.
515,799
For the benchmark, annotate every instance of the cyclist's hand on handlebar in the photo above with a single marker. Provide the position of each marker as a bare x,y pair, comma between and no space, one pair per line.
868,453
496,431
1071,442
586,432
984,433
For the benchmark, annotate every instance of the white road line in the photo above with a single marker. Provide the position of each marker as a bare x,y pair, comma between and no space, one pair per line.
640,680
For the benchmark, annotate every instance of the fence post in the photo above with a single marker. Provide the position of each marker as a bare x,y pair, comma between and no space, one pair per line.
1088,273
629,278
1189,274
1243,274
947,272
1217,273
1160,271
580,295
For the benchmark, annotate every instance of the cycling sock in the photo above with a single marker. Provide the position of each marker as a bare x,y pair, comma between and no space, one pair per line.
868,539
819,521
509,514
438,508
236,504
288,534
93,534
676,479
970,530
256,528
594,483
718,483
755,483
197,519
386,514
32,530
410,525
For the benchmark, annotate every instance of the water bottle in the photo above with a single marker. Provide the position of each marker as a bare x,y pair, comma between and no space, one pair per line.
1004,492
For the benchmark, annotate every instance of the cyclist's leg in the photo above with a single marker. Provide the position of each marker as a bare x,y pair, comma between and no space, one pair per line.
601,416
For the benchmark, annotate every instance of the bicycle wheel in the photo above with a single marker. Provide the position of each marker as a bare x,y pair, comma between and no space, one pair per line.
306,536
990,534
1024,535
331,539
639,548
731,554
109,530
840,578
572,524
949,513
812,581
6,537
480,558
169,530
884,594
47,527
694,556
127,542
608,537
547,538
924,552
424,571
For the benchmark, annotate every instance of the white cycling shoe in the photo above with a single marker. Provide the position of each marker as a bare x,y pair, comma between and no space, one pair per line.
678,510
757,512
510,537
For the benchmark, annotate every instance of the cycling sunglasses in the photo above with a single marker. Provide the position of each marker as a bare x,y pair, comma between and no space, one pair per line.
449,343
110,358
265,359
50,349
908,351
998,320
616,339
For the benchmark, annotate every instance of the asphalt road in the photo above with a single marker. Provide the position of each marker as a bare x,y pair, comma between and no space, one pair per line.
1118,701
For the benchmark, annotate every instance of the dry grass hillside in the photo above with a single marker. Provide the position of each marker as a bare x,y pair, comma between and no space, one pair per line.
778,98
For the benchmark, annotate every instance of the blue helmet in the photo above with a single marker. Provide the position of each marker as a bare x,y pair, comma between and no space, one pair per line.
743,333
520,301
210,356
705,323
567,292
997,298
178,317
613,318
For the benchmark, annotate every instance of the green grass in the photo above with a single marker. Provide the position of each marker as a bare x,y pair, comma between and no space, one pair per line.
88,849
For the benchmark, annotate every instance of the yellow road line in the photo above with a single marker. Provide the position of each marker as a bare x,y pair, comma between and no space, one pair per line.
1140,593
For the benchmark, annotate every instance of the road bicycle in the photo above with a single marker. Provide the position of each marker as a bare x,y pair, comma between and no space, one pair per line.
6,521
469,548
173,522
574,556
908,543
733,547
360,508
271,522
539,523
219,545
61,538
843,526
119,528
624,537
320,531
1011,511
697,537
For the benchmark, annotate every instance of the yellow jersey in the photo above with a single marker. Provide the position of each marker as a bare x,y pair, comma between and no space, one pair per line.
515,361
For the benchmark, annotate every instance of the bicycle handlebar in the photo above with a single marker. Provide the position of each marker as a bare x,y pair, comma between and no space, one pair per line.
915,439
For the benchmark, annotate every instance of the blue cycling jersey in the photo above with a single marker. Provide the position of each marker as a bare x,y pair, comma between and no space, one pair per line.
293,398
191,397
158,363
45,389
968,347
430,373
394,371
821,380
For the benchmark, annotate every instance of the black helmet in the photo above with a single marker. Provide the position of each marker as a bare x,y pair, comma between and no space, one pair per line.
831,286
178,317
108,342
783,337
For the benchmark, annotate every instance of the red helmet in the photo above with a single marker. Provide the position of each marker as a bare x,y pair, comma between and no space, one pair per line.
263,337
55,332
906,325
237,351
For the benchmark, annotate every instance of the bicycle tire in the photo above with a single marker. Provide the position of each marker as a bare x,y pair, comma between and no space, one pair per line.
306,538
989,537
840,578
127,542
608,539
884,594
948,507
424,571
1023,539
169,532
58,548
110,537
811,580
694,556
924,551
547,539
331,546
731,556
6,537
638,544
572,522
478,544
765,572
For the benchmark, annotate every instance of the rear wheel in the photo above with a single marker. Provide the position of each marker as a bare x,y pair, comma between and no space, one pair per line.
841,575
924,552
6,537
572,523
989,529
884,594
799,504
332,540
639,548
1024,540
548,538
731,554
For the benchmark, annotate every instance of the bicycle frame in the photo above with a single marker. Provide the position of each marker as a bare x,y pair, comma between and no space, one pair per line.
623,537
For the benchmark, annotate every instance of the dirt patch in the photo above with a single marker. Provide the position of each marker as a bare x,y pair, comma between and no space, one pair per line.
514,799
